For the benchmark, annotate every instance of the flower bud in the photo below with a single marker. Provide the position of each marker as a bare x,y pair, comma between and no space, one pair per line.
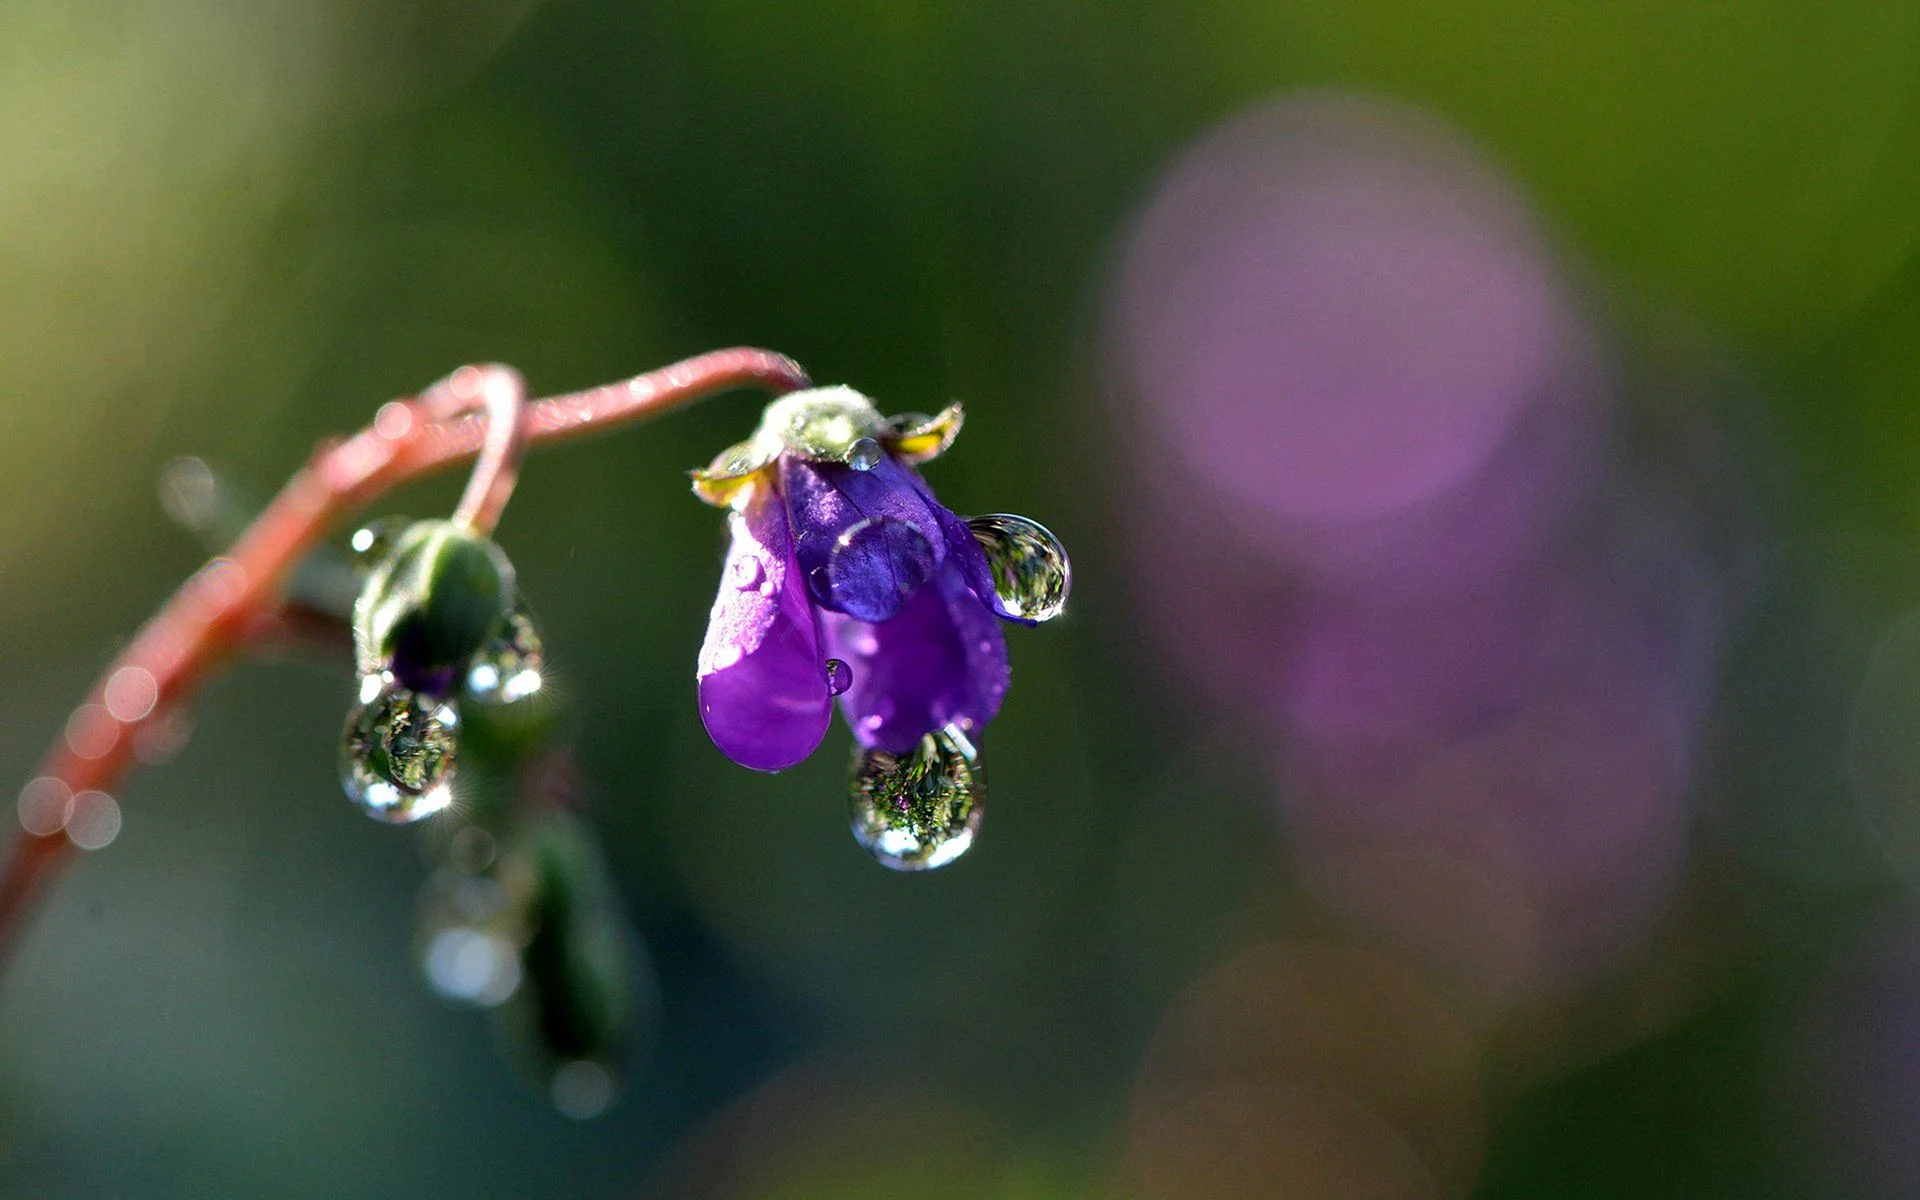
434,602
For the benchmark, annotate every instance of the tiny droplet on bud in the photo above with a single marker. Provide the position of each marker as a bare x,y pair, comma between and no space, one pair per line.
374,541
864,454
508,668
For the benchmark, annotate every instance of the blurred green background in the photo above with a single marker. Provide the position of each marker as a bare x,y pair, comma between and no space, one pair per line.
229,231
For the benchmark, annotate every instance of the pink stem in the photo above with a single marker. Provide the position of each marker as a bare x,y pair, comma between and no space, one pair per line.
210,618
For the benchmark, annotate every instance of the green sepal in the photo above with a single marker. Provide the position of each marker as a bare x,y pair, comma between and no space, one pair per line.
917,438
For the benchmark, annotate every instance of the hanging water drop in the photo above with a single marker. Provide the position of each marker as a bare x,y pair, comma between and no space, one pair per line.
508,668
839,677
1031,574
919,810
373,541
864,454
397,754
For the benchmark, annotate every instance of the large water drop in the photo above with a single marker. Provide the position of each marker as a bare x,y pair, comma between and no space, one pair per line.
397,754
1031,574
919,810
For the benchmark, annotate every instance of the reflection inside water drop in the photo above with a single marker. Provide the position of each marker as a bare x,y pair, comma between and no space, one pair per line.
1031,574
839,677
920,810
397,753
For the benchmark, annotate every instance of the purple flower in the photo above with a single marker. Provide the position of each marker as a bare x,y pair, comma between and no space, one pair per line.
846,577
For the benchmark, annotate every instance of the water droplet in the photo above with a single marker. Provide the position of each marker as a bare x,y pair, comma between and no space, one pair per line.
45,804
864,454
131,693
92,731
190,493
471,965
472,850
819,586
397,754
582,1089
94,820
373,541
1031,574
747,572
839,677
161,737
469,939
920,810
508,669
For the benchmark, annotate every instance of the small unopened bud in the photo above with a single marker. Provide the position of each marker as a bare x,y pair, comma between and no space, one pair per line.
435,601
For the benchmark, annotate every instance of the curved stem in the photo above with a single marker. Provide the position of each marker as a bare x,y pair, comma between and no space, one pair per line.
210,617
501,394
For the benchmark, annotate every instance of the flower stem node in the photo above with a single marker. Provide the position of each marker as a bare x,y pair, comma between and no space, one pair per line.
846,578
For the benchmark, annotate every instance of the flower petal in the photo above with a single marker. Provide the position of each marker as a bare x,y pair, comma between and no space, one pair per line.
942,659
877,522
763,684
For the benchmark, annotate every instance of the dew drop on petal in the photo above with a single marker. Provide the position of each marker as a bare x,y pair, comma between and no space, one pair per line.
508,668
1031,574
397,754
839,676
919,810
864,454
747,572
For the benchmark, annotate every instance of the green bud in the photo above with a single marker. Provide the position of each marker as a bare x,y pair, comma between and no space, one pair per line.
435,601
577,1000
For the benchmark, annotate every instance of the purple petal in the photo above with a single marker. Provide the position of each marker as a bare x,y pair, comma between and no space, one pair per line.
763,683
877,521
876,566
941,659
964,549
